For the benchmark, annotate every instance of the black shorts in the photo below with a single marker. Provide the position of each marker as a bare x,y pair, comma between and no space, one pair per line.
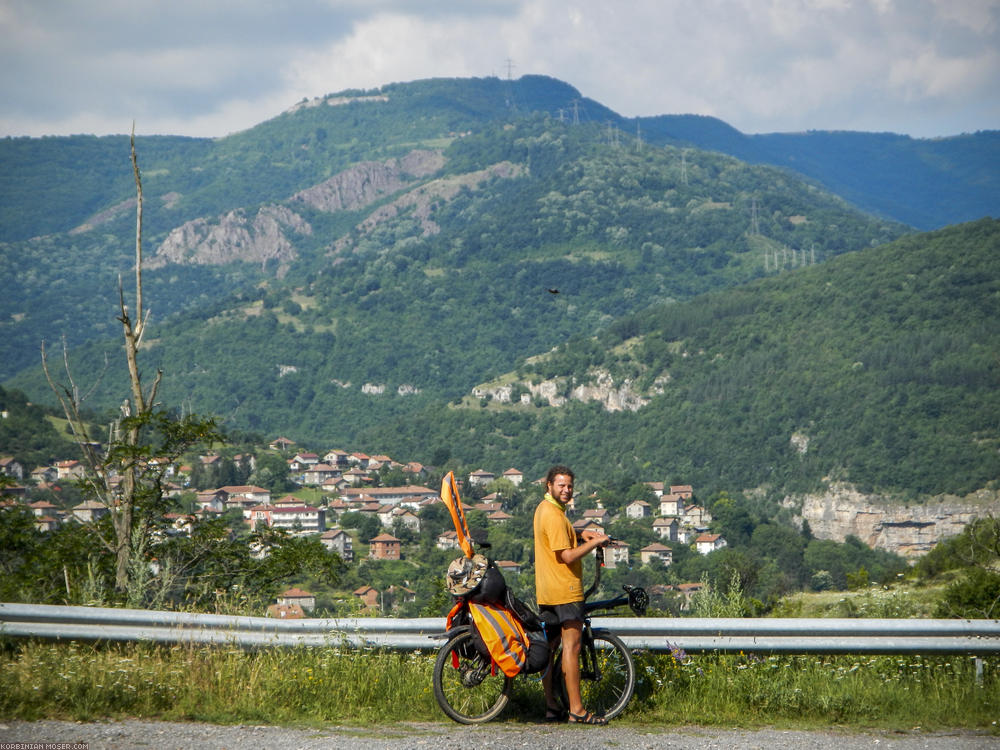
557,614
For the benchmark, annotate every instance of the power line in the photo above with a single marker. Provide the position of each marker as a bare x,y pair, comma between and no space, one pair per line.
511,103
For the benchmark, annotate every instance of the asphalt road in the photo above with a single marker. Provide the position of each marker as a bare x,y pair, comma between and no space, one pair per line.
124,735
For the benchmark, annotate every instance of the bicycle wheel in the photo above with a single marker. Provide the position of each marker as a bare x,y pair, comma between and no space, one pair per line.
470,693
607,676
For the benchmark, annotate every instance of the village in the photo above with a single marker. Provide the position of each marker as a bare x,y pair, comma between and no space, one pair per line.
343,484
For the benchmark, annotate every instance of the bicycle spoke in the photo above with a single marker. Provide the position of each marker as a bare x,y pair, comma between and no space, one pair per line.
607,675
470,693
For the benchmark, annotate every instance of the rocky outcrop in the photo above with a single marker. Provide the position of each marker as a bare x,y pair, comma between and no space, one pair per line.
264,238
601,387
612,396
419,201
910,530
337,101
364,183
233,237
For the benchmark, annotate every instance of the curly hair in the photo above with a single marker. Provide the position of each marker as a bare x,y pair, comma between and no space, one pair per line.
559,469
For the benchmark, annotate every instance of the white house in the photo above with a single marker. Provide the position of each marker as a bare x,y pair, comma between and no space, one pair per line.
212,501
447,540
481,477
498,516
389,495
597,515
319,473
246,495
666,528
671,505
336,458
656,551
509,566
706,543
515,476
70,469
637,509
11,467
297,596
695,515
89,510
300,518
616,553
339,541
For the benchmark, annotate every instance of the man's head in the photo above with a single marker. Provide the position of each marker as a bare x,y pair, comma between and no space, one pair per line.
559,483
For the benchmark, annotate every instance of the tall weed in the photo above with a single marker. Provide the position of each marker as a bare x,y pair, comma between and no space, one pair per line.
315,686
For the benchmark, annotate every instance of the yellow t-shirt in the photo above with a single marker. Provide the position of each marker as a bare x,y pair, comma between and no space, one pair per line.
555,582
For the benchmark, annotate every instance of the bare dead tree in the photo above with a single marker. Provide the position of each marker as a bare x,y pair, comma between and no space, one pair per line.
125,476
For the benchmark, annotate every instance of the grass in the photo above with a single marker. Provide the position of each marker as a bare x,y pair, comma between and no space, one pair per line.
80,682
312,687
899,600
892,692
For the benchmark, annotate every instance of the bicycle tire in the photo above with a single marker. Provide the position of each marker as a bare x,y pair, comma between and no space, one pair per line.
472,693
609,695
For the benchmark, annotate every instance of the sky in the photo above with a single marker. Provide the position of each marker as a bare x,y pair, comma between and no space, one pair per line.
924,68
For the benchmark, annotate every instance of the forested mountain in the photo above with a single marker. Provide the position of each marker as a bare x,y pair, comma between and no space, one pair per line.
66,228
878,367
369,257
926,183
55,184
370,301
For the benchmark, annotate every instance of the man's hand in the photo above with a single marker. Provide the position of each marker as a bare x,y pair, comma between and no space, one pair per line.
590,540
601,540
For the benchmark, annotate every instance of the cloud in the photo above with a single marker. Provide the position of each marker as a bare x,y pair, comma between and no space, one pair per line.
926,67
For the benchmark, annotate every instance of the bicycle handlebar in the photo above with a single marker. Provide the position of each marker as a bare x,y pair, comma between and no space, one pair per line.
635,596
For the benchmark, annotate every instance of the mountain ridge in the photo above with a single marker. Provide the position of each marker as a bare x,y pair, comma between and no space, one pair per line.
454,105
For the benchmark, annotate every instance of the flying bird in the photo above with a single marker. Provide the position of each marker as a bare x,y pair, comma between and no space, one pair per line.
553,291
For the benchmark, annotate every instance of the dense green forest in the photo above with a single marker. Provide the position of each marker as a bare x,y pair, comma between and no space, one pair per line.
28,436
884,361
437,312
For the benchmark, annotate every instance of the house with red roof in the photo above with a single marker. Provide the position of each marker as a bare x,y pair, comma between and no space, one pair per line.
656,551
706,543
385,547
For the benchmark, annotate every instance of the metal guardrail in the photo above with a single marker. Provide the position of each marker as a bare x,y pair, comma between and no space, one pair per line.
693,635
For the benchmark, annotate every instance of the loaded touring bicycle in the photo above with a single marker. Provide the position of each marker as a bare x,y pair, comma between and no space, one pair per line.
492,637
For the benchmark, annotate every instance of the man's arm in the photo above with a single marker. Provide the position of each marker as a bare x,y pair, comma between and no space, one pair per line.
592,540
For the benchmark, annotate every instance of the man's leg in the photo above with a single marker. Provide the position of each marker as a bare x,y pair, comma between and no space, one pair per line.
550,701
572,631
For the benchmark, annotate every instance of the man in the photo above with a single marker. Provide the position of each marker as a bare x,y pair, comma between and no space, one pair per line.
559,587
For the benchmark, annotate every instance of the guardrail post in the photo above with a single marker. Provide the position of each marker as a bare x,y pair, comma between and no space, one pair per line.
979,671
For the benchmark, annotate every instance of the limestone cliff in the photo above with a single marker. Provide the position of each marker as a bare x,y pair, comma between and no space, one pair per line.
600,386
267,236
365,183
235,236
906,529
418,202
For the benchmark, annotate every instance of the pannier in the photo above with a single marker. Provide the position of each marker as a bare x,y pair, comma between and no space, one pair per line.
505,629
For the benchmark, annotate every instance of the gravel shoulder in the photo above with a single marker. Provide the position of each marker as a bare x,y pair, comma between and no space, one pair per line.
156,735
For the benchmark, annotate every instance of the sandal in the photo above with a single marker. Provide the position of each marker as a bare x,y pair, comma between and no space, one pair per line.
554,715
587,718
